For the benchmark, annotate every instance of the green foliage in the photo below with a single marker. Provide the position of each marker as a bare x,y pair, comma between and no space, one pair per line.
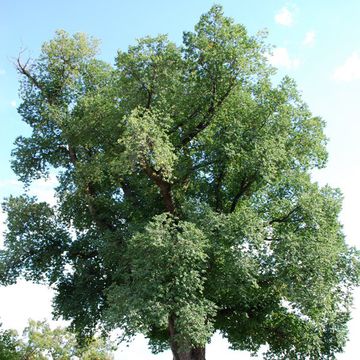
168,267
40,342
146,141
184,203
9,345
36,242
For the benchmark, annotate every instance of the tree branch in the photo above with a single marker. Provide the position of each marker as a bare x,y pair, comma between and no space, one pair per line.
244,188
213,108
72,155
284,218
164,186
218,184
24,70
101,223
184,121
90,191
82,255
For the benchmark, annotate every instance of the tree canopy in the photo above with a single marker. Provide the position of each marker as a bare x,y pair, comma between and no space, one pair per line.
40,342
185,203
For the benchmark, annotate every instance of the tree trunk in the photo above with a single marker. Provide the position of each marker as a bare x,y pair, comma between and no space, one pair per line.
195,353
192,354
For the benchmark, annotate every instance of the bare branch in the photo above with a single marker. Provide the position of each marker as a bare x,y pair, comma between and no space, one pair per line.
24,69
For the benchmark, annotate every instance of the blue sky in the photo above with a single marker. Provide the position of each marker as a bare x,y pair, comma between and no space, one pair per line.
317,43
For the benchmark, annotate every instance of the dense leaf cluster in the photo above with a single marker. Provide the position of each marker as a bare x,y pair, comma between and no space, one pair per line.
40,342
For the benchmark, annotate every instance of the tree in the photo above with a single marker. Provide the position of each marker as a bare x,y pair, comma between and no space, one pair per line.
185,203
40,342
8,345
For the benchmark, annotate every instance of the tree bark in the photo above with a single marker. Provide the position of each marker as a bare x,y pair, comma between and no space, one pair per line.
193,353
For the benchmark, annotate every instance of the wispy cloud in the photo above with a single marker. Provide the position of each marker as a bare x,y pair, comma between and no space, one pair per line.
280,58
349,70
43,189
2,72
309,39
284,17
13,103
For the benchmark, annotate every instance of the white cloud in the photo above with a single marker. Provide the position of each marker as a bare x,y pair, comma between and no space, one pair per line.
284,17
24,300
13,103
349,70
281,58
43,189
309,39
2,72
